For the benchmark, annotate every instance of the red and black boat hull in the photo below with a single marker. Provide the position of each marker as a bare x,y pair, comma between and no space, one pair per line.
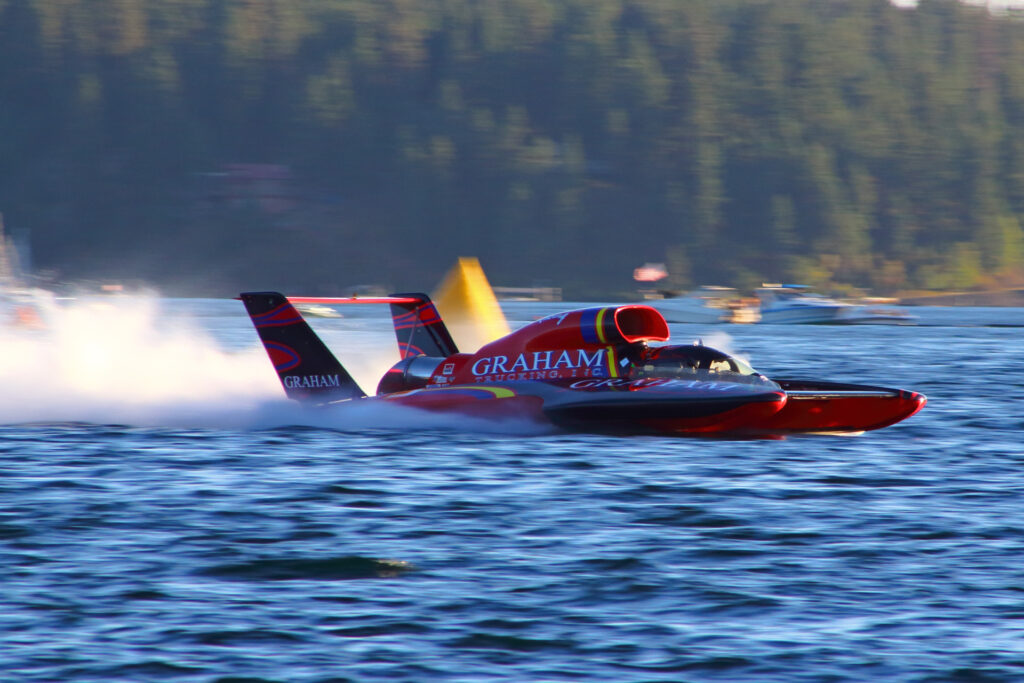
817,406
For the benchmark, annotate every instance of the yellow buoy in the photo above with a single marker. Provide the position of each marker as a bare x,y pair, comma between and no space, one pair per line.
468,306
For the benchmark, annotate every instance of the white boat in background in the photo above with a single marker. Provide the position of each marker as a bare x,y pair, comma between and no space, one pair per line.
707,304
318,311
789,304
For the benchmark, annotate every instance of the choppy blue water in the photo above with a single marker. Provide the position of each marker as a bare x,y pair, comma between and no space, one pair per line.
178,526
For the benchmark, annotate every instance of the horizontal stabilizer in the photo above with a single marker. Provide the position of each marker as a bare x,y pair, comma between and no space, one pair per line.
329,300
419,329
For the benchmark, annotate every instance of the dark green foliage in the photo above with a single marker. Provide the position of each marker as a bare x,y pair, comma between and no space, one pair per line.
835,142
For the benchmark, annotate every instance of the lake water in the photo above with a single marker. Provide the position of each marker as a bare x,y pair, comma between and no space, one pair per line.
165,515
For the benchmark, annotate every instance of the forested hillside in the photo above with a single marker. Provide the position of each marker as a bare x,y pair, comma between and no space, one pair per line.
315,144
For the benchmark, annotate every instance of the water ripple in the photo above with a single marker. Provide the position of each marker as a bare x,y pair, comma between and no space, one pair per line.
340,552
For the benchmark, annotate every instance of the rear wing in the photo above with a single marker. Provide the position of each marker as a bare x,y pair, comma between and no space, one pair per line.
419,329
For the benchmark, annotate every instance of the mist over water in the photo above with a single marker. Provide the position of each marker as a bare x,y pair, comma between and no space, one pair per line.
119,361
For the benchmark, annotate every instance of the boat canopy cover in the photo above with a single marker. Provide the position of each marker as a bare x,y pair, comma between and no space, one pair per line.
683,361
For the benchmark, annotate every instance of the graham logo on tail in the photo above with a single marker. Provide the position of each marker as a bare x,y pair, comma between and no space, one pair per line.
312,381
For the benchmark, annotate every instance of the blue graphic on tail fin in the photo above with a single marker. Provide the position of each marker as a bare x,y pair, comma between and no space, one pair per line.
419,328
308,370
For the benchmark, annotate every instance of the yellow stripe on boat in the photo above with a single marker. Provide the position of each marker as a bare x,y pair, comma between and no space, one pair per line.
499,392
599,324
613,368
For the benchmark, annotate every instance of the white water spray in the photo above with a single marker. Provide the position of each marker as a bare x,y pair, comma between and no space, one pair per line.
125,360
122,361
723,342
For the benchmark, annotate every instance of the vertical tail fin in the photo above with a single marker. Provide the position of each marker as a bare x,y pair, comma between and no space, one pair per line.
307,368
420,329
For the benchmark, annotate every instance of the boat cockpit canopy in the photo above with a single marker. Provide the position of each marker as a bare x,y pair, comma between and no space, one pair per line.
687,361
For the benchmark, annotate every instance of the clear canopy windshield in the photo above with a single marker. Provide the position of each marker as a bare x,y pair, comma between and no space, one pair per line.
693,362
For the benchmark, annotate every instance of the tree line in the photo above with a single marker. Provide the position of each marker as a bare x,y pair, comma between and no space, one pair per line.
838,143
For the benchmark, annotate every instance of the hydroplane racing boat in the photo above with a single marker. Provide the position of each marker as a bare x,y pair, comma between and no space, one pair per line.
604,369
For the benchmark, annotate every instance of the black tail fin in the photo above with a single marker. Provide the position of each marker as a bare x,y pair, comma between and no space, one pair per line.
307,368
419,328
